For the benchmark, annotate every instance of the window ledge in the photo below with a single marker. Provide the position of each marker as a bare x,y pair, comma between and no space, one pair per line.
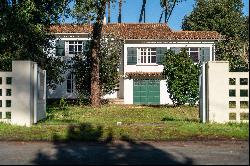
147,65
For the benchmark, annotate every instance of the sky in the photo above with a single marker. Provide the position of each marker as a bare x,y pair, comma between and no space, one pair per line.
131,12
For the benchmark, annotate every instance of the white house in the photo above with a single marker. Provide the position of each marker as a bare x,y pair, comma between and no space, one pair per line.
143,49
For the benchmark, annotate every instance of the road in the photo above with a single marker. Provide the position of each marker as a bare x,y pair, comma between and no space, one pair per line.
123,153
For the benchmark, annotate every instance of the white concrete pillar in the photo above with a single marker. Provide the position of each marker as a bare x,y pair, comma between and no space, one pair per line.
128,91
217,90
23,103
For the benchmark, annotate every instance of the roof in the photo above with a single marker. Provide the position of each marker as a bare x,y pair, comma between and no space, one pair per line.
139,31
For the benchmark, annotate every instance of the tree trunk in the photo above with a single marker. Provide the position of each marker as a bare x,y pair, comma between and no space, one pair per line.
143,12
120,12
109,11
95,81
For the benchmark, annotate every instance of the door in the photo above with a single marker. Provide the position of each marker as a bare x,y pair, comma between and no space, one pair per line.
146,91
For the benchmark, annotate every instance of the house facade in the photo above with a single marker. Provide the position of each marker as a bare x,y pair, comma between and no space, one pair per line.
141,59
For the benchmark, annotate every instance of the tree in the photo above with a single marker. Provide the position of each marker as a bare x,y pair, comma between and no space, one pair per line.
225,17
93,10
25,34
120,12
143,11
109,11
182,77
168,7
109,63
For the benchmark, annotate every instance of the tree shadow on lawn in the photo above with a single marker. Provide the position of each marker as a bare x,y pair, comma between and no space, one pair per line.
83,145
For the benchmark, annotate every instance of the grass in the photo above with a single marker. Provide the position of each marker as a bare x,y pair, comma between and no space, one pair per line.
137,123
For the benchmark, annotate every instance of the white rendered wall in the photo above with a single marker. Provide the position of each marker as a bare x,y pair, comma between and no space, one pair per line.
110,96
62,92
164,95
156,67
128,91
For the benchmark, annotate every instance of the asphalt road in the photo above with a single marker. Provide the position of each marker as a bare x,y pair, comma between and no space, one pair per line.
124,153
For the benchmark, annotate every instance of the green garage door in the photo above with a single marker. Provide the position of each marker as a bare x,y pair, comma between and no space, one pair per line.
146,91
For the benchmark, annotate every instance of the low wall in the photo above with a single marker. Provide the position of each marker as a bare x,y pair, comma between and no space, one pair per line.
20,103
227,93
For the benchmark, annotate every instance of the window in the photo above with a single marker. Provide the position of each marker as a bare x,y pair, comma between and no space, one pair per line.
146,55
1,104
70,83
244,93
232,116
8,80
243,81
244,116
0,92
75,47
198,54
232,93
8,92
193,52
8,115
232,104
244,104
1,80
232,81
8,103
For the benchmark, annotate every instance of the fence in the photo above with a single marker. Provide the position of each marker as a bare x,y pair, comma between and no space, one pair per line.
23,94
224,95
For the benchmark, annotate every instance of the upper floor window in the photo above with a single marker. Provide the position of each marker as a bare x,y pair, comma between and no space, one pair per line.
196,54
70,48
75,47
193,52
146,55
152,55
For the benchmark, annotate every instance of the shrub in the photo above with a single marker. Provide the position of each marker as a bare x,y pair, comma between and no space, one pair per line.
63,104
182,77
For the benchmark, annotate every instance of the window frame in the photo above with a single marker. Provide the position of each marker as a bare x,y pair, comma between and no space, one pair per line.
75,45
147,56
189,53
70,83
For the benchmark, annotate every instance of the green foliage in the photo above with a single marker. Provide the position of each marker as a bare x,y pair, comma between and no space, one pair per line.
86,11
63,104
168,6
26,35
109,64
231,50
225,17
182,77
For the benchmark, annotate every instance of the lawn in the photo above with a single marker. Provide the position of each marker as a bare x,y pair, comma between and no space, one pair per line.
163,123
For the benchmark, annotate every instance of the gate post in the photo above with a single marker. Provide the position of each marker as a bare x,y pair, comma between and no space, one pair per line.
202,91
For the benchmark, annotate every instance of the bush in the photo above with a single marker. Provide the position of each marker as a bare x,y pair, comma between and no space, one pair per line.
182,77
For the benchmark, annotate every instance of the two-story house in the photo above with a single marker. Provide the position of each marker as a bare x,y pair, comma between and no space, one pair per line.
141,60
